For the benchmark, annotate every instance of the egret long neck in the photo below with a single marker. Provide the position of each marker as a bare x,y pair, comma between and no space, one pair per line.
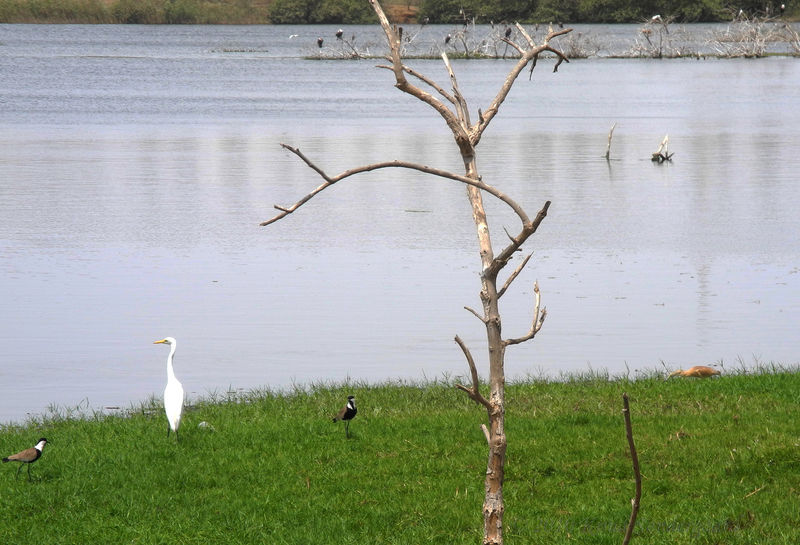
170,369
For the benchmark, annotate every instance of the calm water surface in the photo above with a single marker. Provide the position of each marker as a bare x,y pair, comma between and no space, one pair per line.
136,163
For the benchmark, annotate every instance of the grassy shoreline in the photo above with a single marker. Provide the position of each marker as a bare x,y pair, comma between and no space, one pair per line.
720,462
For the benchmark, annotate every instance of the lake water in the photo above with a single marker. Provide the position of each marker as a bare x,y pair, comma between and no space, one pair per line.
136,163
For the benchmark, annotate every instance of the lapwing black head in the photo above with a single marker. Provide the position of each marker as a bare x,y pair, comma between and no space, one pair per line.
27,456
347,413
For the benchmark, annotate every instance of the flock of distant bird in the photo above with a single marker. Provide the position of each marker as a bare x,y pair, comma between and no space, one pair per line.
174,399
173,407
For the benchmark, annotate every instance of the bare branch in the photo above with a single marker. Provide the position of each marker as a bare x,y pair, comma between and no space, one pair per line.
526,56
486,434
516,242
637,475
403,84
425,79
330,180
525,35
478,316
474,393
536,323
461,104
514,45
513,276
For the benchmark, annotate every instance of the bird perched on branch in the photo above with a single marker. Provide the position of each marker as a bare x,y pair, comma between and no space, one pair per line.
347,413
339,33
173,393
698,371
27,456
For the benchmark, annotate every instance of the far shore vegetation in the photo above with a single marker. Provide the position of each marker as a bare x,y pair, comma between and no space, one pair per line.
720,463
401,11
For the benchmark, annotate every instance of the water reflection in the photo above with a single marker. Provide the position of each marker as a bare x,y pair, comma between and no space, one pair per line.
131,189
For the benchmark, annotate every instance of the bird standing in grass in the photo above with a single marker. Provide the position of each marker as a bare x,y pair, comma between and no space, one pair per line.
173,393
347,413
698,371
27,456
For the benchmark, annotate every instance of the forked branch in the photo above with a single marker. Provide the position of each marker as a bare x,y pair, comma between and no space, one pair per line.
474,391
528,229
536,323
529,55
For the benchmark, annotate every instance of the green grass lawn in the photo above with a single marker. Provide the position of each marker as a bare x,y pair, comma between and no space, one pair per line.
720,463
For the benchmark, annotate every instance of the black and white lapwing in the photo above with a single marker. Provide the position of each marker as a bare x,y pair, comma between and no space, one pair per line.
27,456
347,413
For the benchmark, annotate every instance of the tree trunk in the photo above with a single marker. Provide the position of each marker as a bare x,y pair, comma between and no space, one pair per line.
452,107
493,506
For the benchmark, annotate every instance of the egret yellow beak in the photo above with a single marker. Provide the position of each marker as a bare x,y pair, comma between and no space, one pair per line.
162,341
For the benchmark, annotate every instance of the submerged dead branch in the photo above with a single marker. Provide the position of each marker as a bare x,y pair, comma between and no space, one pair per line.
610,135
662,154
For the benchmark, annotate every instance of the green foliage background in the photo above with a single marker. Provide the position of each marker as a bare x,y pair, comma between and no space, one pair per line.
573,11
359,11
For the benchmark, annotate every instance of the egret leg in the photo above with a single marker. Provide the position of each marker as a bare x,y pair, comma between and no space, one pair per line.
167,429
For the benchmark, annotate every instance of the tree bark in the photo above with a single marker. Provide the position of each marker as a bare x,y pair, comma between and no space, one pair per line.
452,107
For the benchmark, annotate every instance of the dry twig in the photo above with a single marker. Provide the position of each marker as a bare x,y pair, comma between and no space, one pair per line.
637,475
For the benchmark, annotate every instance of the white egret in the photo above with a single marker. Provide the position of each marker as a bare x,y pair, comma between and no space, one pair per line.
27,456
173,393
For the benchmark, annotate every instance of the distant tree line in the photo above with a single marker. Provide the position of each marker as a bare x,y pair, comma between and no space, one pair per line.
359,11
526,11
356,12
134,11
589,11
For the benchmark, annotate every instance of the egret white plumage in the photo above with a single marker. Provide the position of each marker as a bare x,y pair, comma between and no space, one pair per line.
173,393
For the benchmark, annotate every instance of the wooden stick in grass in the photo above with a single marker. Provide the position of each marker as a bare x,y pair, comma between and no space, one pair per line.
637,475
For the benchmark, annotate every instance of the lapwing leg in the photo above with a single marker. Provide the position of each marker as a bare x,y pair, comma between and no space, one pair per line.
18,470
347,429
29,472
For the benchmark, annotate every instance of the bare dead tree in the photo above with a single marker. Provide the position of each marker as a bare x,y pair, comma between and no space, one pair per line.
626,411
453,109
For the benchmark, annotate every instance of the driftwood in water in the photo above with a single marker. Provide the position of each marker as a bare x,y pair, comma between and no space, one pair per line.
662,154
610,135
